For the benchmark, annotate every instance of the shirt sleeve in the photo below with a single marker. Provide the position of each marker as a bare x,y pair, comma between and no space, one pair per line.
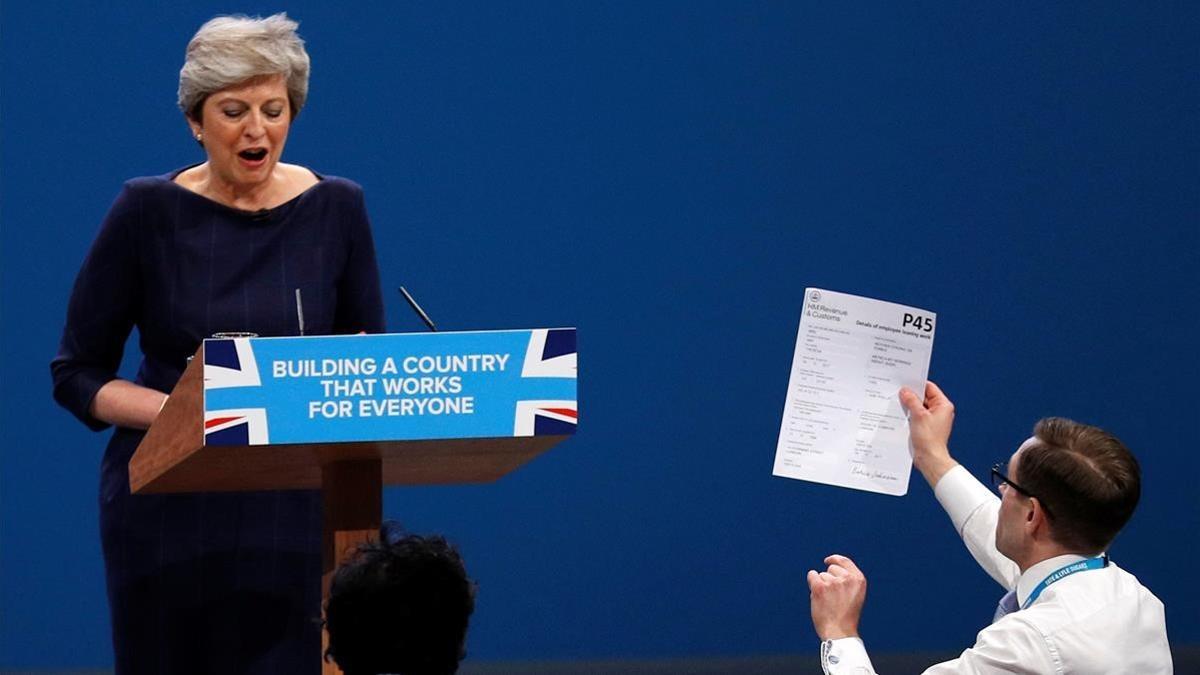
1010,645
360,301
845,656
974,510
100,313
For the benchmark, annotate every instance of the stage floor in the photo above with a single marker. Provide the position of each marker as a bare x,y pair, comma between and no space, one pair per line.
1187,660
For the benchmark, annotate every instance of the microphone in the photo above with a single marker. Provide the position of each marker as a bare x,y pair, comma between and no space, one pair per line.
299,312
417,308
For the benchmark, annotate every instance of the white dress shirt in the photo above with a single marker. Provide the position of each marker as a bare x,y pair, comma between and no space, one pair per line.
1090,622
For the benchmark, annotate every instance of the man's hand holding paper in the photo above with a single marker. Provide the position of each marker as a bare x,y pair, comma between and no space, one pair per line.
929,423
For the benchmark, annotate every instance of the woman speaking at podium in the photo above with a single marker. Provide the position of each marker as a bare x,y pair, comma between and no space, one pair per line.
215,583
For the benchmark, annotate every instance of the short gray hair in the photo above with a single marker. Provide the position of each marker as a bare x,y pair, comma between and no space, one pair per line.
229,50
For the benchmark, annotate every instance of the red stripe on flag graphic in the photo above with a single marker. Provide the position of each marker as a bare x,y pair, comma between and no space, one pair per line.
208,424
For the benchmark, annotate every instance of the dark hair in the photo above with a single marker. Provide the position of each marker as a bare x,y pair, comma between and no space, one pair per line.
400,606
1087,478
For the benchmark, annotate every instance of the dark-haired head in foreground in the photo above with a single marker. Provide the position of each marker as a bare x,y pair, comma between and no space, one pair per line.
400,605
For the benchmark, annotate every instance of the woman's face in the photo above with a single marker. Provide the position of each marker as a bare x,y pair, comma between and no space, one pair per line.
244,129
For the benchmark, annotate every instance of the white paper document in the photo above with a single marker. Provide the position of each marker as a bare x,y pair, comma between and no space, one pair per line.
843,423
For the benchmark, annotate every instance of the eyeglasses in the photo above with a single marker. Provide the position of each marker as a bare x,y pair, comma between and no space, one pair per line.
998,479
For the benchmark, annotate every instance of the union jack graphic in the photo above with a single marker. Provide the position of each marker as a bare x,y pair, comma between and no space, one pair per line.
241,426
551,353
545,418
231,363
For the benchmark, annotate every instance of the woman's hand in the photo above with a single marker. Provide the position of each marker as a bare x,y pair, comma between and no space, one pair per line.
125,404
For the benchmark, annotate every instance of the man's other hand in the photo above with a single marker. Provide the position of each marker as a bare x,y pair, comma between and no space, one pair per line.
837,597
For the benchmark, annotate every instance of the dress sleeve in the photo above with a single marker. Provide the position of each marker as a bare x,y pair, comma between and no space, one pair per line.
100,313
359,299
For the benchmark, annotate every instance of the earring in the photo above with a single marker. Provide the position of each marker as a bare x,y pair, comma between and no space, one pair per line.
199,137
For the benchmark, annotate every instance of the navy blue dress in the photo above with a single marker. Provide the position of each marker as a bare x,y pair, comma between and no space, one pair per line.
211,583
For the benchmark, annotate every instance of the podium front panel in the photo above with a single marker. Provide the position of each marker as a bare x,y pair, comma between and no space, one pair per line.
395,387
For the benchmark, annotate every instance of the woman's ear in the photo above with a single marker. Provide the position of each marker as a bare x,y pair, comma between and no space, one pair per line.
196,128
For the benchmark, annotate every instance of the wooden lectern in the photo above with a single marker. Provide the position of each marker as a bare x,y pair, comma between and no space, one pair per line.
174,457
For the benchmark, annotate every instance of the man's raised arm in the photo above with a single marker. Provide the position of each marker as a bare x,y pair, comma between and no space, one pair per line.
972,507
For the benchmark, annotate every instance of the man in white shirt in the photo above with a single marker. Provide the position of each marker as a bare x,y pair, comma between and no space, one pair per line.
1064,495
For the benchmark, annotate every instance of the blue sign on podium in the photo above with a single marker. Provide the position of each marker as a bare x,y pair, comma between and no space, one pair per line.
393,387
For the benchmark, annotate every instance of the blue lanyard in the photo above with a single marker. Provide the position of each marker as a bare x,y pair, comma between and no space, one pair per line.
1063,572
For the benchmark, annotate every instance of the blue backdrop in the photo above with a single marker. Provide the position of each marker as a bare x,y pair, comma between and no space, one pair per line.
669,177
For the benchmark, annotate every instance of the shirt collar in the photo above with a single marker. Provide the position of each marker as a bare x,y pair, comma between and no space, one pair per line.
1036,573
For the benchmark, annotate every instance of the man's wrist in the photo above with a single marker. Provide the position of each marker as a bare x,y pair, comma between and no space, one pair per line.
933,465
931,454
837,632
